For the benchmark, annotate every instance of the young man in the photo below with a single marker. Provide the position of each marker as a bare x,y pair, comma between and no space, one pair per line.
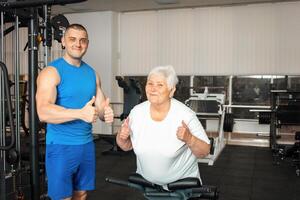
69,99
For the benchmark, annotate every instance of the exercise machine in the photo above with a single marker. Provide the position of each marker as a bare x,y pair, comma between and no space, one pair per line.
184,189
285,111
290,153
210,106
8,152
24,14
132,94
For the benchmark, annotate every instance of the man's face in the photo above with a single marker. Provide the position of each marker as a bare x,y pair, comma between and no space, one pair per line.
76,43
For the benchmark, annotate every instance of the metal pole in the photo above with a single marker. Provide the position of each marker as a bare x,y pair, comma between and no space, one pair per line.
2,121
230,92
17,95
32,72
47,40
17,85
2,114
191,85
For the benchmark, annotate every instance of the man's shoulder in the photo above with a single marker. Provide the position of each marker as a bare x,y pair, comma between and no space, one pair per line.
87,66
56,62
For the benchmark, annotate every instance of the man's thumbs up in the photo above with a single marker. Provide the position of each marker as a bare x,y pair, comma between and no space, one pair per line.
92,101
108,112
89,112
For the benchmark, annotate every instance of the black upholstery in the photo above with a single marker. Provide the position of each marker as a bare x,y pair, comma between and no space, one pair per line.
184,184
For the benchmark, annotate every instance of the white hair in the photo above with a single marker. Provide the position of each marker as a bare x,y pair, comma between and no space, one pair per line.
168,72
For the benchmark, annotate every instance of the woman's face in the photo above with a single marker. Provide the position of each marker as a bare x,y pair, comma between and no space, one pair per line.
157,90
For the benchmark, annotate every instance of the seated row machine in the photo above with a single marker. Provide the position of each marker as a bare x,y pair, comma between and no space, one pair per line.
184,189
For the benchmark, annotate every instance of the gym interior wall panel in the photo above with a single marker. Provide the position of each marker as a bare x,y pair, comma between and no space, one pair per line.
288,43
234,40
253,28
116,90
176,39
213,54
138,42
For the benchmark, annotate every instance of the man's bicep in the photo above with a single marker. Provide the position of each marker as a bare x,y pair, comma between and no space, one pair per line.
46,87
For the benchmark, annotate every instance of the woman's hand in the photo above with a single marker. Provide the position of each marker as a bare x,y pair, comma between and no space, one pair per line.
199,148
183,133
125,130
123,137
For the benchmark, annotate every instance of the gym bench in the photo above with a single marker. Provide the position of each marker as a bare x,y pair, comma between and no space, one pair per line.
184,189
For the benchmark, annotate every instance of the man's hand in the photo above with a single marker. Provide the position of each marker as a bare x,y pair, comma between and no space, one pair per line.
108,112
183,133
89,111
125,130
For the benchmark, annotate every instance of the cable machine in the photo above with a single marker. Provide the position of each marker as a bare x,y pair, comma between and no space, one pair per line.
23,14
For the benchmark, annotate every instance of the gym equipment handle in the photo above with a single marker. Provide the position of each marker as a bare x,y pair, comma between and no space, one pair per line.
124,183
207,192
9,107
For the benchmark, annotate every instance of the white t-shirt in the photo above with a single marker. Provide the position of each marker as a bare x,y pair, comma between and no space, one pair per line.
161,157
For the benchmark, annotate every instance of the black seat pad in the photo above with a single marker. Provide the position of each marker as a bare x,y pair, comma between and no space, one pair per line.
185,183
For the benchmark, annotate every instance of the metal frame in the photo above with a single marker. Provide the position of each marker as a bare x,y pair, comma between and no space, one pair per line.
219,141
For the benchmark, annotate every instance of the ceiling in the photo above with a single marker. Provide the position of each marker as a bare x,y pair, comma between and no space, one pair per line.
138,5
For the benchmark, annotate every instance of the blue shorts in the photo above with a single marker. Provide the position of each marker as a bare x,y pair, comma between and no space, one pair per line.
69,168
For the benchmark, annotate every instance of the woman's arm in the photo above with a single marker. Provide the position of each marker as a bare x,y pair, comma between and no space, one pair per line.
199,147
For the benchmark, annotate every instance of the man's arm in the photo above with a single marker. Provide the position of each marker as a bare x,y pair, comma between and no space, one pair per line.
105,112
46,95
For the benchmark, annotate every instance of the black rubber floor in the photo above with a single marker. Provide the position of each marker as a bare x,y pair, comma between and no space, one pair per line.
241,173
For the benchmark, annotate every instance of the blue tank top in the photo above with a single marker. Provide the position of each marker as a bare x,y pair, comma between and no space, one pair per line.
77,86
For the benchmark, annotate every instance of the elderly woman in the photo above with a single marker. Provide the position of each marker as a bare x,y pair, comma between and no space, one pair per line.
165,134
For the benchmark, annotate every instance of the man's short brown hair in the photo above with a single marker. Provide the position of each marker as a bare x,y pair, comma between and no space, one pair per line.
76,27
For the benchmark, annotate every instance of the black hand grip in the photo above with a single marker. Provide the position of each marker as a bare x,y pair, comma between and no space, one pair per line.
9,107
124,183
207,192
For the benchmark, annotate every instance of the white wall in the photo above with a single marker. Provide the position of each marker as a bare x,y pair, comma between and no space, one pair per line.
237,40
